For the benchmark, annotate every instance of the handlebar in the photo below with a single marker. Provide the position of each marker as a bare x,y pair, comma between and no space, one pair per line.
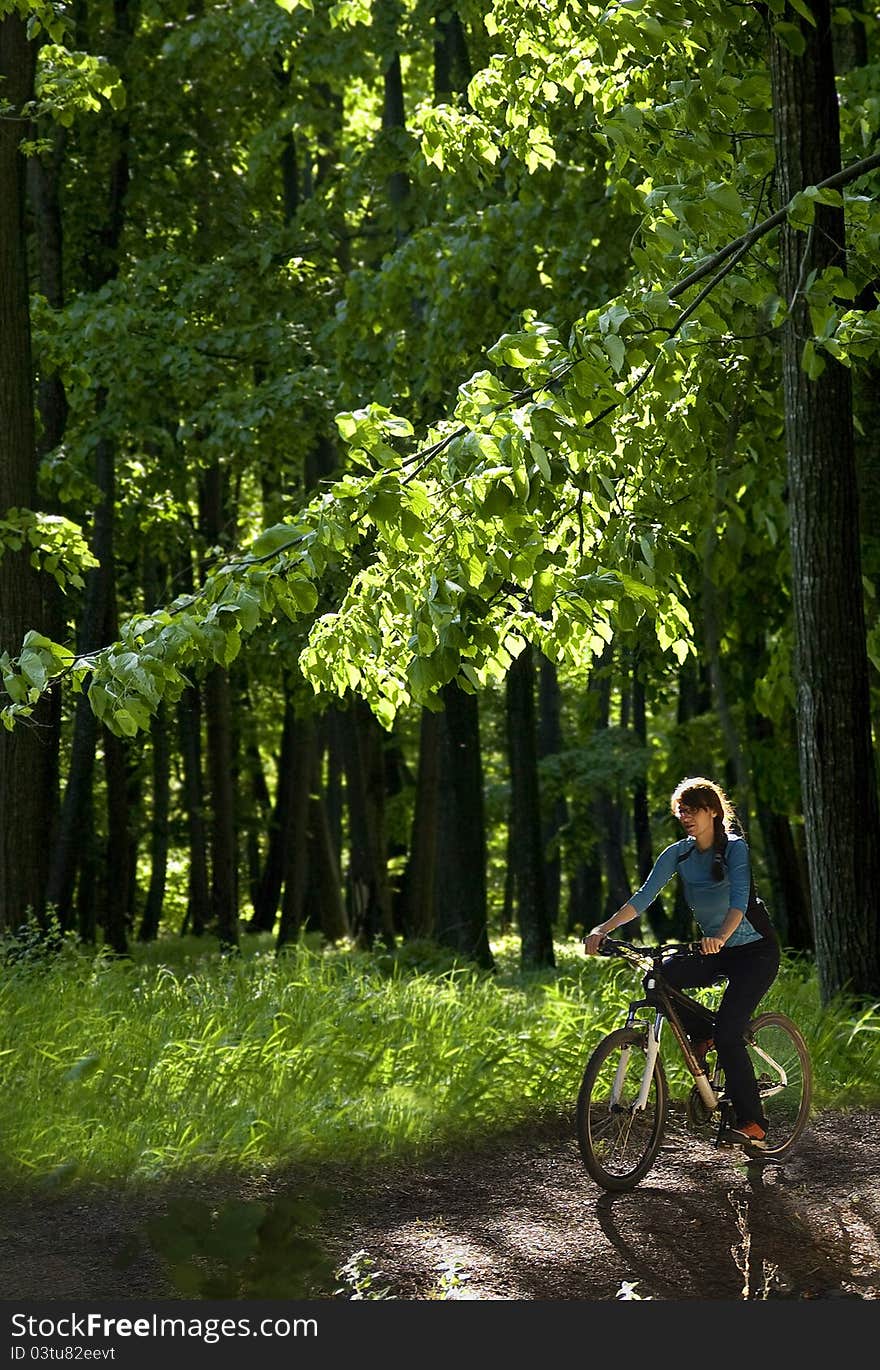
642,955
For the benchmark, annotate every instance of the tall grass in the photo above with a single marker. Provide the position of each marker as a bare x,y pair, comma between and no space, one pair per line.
179,1059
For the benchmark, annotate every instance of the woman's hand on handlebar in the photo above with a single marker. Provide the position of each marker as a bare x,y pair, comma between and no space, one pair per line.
593,941
710,946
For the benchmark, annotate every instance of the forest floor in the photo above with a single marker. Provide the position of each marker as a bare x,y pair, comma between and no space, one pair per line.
514,1218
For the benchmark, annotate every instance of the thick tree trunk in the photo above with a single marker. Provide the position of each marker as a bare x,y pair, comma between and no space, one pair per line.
606,807
296,853
838,780
324,876
221,761
272,876
368,901
117,851
189,731
655,912
87,877
531,903
417,895
26,759
452,65
554,810
218,714
44,170
460,884
152,914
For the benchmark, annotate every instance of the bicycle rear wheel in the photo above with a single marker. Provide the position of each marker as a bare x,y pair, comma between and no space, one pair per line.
782,1068
618,1142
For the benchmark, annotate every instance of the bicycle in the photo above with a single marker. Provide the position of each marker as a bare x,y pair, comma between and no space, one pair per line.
623,1100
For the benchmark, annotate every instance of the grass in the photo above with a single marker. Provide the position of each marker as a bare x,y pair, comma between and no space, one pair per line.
182,1058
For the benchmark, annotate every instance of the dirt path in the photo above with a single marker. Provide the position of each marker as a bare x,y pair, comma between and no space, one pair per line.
517,1219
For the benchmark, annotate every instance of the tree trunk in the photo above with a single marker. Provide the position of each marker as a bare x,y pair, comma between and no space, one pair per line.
607,812
221,760
272,876
531,903
323,866
189,728
26,761
460,879
218,708
296,853
452,66
44,172
555,811
417,895
369,904
152,914
117,851
655,912
838,780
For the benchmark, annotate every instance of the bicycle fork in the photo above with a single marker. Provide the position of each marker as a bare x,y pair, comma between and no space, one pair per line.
652,1050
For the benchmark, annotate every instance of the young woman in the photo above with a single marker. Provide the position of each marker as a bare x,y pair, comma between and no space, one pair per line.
715,867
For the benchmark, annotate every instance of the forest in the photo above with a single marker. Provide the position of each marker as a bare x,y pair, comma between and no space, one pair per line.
429,430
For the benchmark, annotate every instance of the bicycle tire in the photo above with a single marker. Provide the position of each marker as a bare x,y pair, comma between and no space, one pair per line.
618,1145
786,1104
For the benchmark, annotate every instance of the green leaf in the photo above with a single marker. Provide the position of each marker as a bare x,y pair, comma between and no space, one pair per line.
811,362
541,461
543,591
791,36
616,349
804,10
274,538
304,593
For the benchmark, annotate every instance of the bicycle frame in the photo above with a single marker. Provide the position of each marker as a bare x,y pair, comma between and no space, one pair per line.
662,997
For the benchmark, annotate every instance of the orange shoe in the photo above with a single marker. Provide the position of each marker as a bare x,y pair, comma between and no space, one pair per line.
748,1134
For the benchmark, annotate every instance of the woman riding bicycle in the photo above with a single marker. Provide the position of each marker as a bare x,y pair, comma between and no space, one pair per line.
715,867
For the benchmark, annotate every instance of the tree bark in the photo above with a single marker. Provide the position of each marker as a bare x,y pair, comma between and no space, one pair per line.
838,778
417,898
26,761
369,903
555,811
323,866
296,854
272,876
189,731
531,903
452,65
152,914
218,717
460,873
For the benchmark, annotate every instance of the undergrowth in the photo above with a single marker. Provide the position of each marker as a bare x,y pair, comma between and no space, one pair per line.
181,1057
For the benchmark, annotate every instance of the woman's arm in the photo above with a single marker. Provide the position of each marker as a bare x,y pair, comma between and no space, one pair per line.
711,945
662,872
593,940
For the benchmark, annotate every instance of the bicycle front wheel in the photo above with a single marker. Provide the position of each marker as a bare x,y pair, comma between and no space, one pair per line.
782,1068
618,1141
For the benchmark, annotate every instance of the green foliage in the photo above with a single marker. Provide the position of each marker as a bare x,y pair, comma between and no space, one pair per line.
114,1069
58,546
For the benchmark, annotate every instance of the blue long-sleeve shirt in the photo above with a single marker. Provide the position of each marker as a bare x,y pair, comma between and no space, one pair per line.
709,900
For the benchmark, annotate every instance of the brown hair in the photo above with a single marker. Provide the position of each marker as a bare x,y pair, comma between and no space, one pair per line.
696,792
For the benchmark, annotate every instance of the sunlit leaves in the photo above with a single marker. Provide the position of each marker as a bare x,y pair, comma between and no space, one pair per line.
57,544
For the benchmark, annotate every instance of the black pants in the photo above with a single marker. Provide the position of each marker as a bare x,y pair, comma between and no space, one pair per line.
750,970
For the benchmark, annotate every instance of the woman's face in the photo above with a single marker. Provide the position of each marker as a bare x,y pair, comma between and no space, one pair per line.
697,823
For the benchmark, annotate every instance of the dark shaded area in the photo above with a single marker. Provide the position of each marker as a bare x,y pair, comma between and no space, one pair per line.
514,1218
